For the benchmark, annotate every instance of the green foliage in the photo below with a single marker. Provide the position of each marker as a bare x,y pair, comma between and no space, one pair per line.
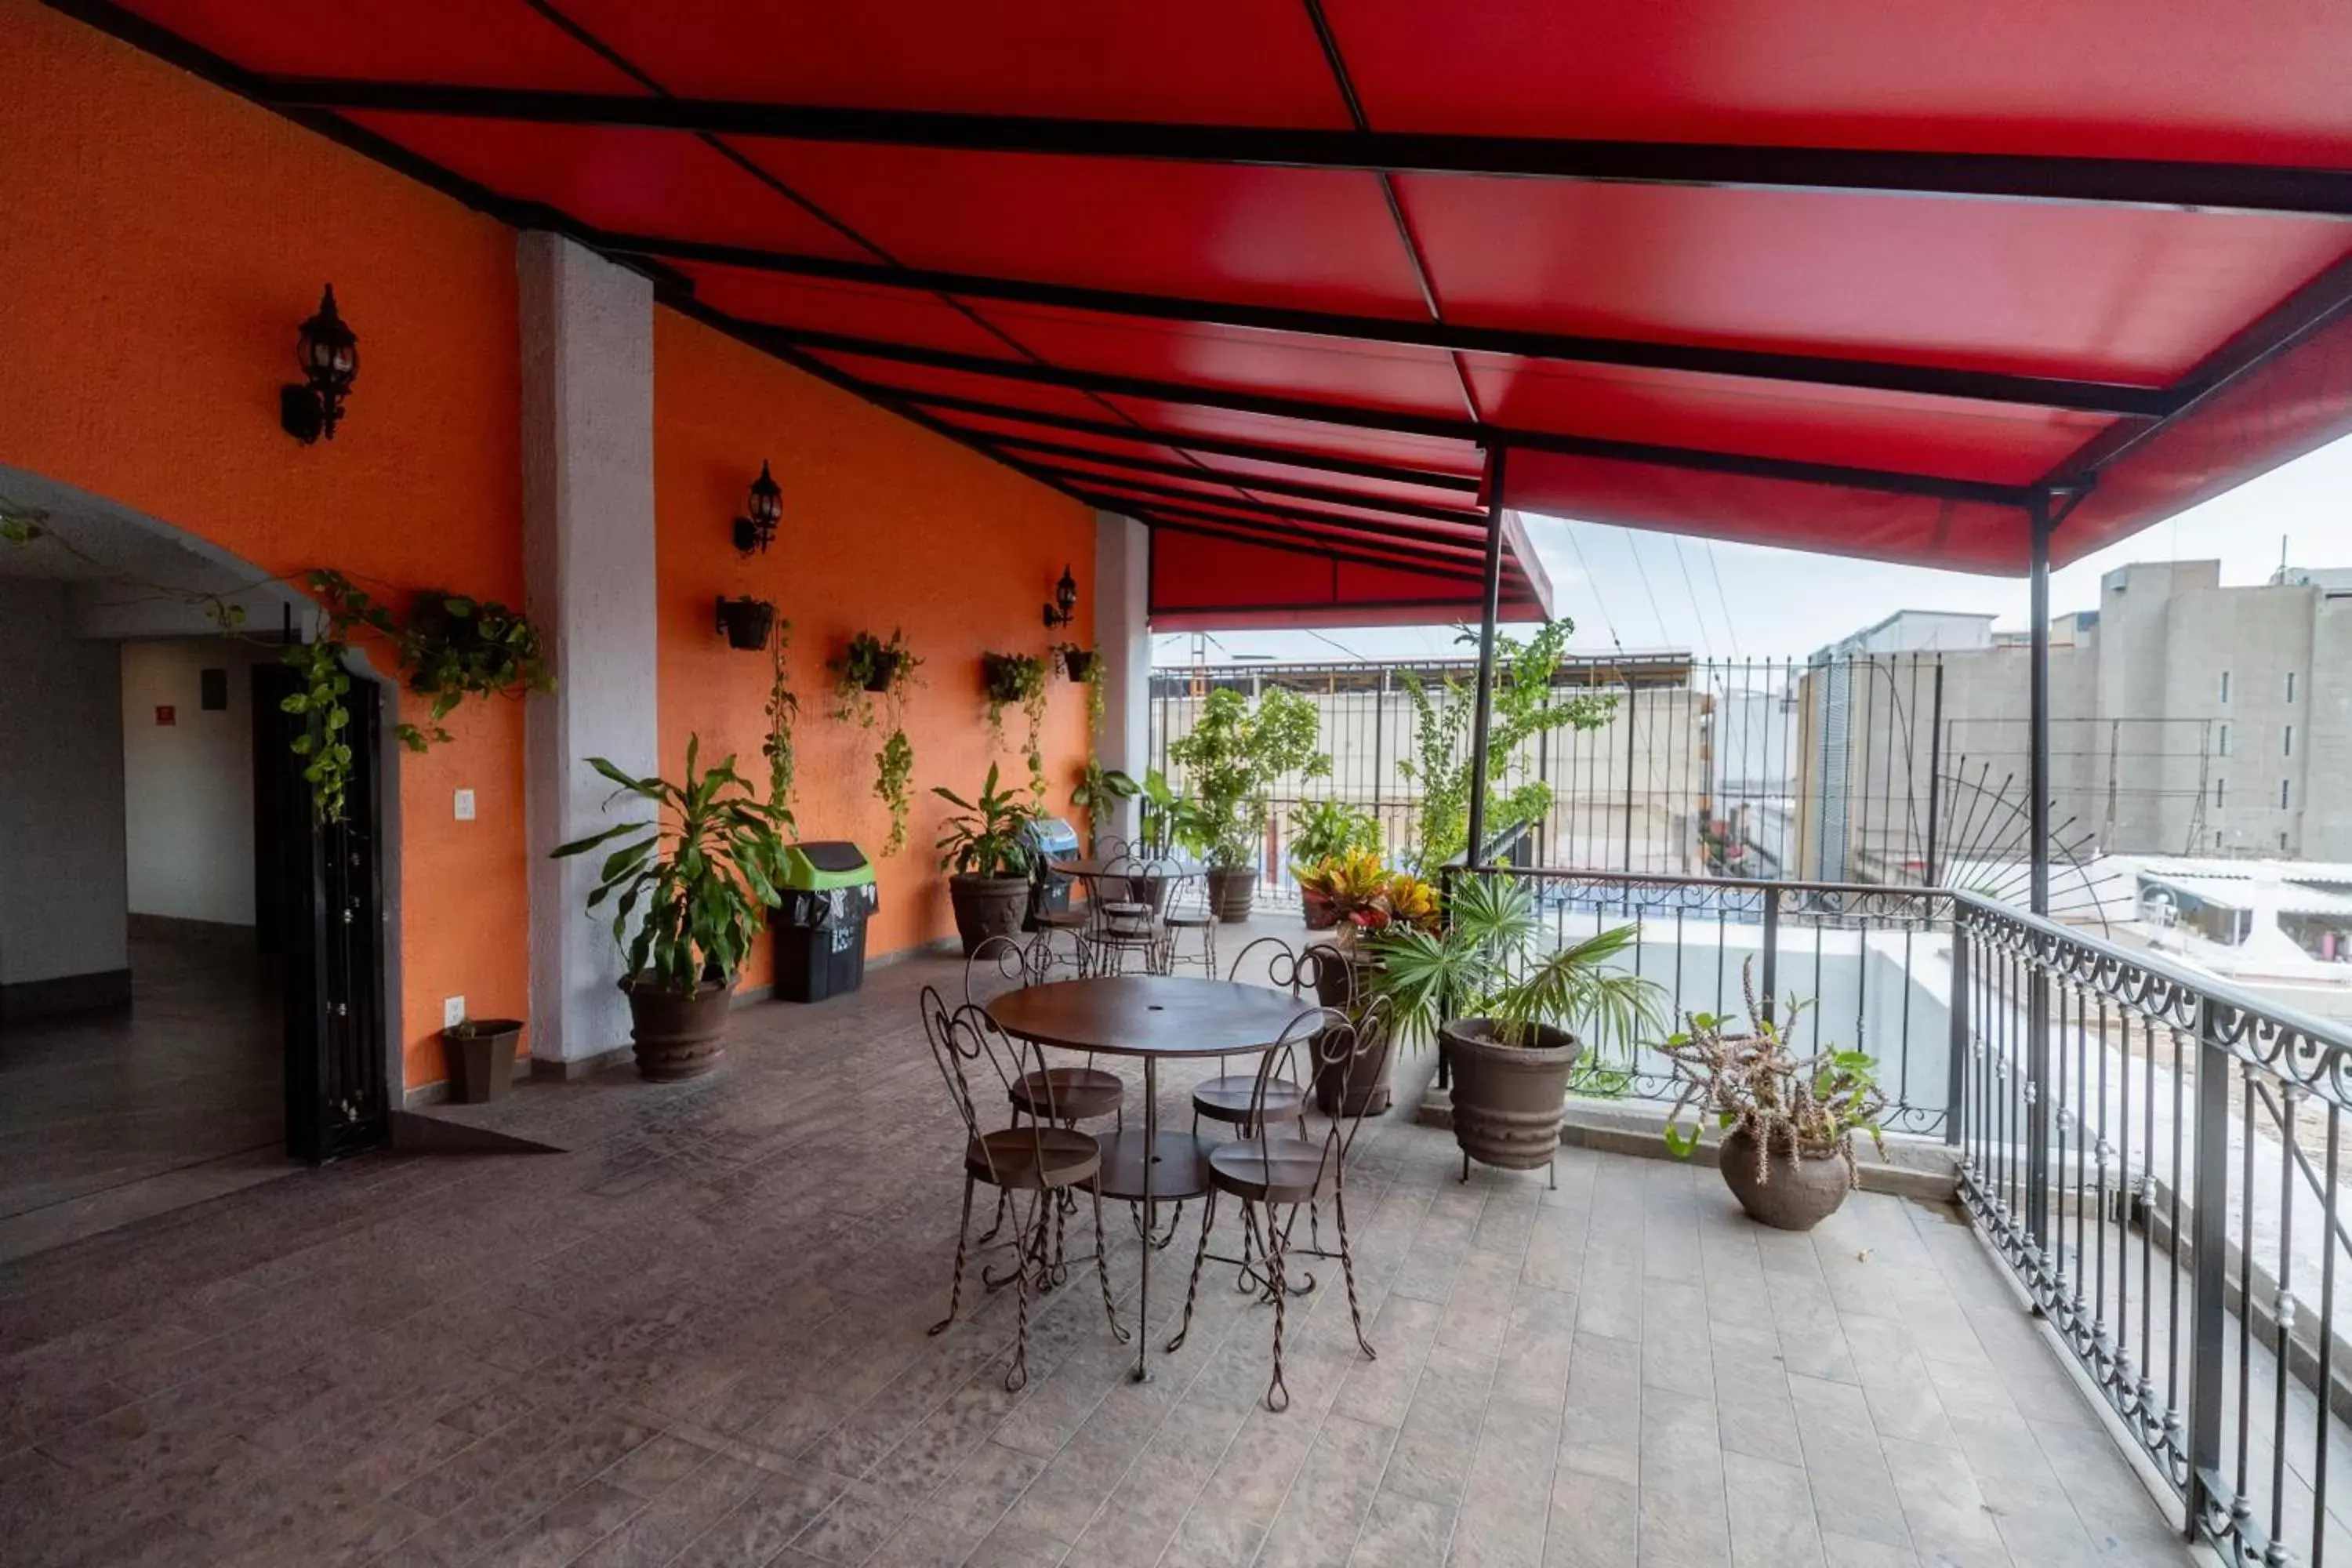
1476,967
1526,705
868,662
1099,790
1173,821
1019,678
986,838
1800,1106
1326,829
894,774
1232,758
783,711
690,890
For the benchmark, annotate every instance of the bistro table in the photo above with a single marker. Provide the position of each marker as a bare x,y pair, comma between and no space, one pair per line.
1154,1017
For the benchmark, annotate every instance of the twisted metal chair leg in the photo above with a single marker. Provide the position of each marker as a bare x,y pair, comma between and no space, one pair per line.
1102,1273
1277,1391
1199,1256
1058,1272
1016,1376
1004,1205
1347,1272
955,1291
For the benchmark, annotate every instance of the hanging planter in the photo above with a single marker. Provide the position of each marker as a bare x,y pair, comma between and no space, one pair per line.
746,622
1020,678
866,669
1079,662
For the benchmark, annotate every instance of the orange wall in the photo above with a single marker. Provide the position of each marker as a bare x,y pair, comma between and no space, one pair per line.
159,242
884,525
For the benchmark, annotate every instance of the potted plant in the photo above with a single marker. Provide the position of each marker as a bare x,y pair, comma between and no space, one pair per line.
1366,900
1012,678
1078,662
1231,757
1099,791
481,1056
1507,1021
746,622
1789,1121
691,890
869,669
985,851
1323,833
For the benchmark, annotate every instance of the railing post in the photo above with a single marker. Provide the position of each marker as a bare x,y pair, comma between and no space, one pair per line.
1771,948
1956,1070
2209,1229
2037,1105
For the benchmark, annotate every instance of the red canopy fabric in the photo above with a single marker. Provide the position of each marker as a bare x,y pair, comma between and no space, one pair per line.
1277,277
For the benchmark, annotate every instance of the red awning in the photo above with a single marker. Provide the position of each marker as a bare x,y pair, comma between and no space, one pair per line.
1275,276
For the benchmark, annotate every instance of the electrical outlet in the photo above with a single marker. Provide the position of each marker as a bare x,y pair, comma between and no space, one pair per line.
453,1012
465,805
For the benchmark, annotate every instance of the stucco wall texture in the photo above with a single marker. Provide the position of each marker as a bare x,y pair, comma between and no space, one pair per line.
163,241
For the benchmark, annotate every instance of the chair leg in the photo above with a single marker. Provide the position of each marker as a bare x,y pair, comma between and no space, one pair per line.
1277,1392
1003,1205
1016,1376
1192,1288
1465,1164
1102,1272
1348,1271
955,1291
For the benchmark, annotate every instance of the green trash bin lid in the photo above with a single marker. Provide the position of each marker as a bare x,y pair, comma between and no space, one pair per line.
825,865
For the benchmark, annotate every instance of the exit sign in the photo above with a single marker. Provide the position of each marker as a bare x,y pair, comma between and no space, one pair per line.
166,714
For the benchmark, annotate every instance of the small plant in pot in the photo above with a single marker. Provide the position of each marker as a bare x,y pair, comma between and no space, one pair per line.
1078,662
698,882
481,1056
1018,678
1322,834
1231,757
871,680
1510,1022
1367,899
1787,1120
1098,793
986,852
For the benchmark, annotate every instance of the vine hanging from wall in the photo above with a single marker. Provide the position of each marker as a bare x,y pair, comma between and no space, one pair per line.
872,678
1012,678
784,712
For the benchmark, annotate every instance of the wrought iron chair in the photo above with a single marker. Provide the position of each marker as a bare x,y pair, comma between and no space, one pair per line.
1240,1099
1274,1178
1066,1096
1126,908
1042,1159
1189,914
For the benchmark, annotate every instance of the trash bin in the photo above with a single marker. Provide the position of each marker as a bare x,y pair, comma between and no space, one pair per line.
1050,839
829,895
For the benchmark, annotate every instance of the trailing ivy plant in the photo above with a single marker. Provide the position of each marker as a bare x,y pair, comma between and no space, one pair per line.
872,678
784,712
1019,678
1526,705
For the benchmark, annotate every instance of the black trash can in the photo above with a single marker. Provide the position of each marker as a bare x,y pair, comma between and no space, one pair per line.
829,895
1050,839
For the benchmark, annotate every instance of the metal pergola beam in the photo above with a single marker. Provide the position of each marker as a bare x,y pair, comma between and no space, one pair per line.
1215,446
2108,182
1394,551
1300,489
1239,530
1433,426
1464,521
1813,370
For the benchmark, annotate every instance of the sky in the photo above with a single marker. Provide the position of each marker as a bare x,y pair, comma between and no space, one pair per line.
1645,592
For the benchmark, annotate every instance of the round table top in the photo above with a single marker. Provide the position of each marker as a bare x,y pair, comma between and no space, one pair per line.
1128,866
1149,1015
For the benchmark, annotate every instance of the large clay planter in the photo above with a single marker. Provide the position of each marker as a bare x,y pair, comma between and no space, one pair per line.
1359,1087
679,1037
1792,1193
987,906
1231,890
482,1059
1508,1100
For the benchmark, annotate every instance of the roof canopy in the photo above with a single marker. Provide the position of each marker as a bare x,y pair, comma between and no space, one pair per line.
1275,275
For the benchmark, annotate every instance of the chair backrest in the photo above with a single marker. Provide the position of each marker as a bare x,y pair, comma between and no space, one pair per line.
1320,1042
1270,961
979,1061
998,965
1338,1052
1136,879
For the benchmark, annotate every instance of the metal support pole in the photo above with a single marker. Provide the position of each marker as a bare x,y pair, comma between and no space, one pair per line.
2037,1023
1630,733
1956,1080
1771,950
2209,1231
1935,774
1492,603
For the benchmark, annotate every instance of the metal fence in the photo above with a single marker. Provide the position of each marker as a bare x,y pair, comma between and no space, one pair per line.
2158,1157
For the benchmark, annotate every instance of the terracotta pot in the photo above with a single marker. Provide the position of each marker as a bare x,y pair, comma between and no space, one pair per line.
1360,1087
1508,1100
1322,914
1790,1192
987,906
482,1059
677,1036
1231,890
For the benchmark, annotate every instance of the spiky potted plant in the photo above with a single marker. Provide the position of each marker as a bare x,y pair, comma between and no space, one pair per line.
1510,1020
1787,1120
986,852
689,891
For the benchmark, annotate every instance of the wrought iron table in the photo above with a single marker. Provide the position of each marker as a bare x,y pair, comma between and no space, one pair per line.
1153,1018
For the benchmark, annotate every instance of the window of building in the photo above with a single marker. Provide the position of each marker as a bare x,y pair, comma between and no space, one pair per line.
2221,789
2290,686
2282,843
2282,789
2225,686
2225,740
2290,740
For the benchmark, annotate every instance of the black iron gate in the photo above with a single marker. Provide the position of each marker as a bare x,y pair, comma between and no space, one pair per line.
327,904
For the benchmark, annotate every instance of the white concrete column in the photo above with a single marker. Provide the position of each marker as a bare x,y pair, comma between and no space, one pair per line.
588,558
1123,637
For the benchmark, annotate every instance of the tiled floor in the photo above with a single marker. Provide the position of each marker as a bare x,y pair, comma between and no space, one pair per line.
697,1338
117,1115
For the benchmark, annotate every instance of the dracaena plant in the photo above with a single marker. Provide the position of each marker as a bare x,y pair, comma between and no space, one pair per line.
988,834
1752,1080
1233,756
1479,966
690,888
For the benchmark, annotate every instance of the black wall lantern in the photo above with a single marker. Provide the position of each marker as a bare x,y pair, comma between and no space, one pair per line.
1065,602
754,531
329,357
